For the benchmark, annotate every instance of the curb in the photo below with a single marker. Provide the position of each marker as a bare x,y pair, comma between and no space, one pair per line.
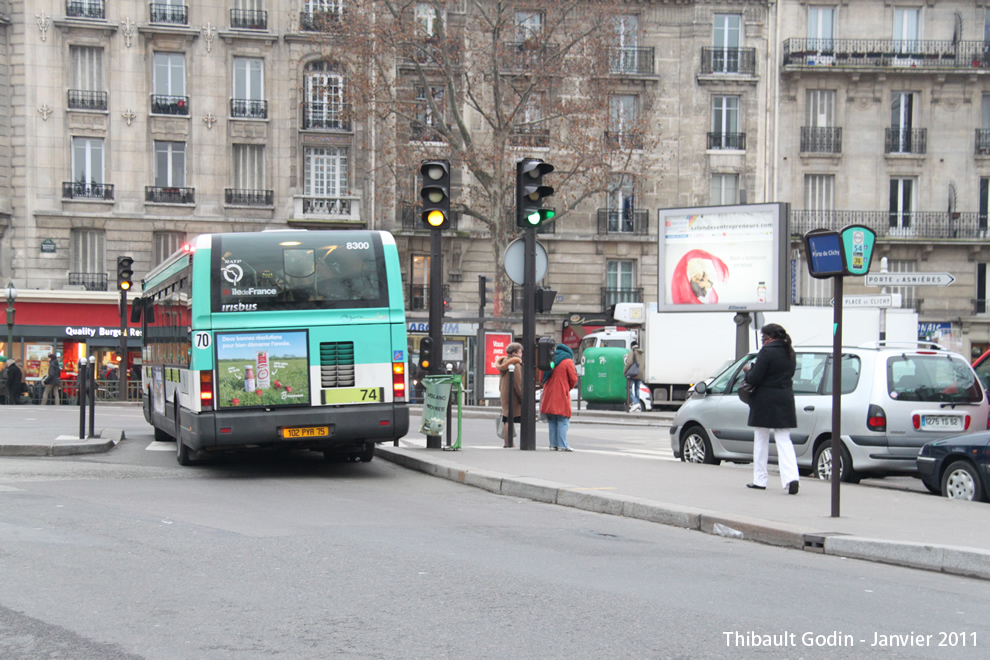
68,445
967,562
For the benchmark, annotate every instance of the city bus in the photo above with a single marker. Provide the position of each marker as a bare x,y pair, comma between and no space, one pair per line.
287,339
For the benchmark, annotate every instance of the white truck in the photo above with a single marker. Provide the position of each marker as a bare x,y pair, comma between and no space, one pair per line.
682,348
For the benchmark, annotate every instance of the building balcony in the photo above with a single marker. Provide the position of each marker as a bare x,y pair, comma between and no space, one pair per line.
611,297
169,105
248,109
234,197
410,220
924,225
982,142
96,191
821,140
419,296
320,21
420,132
624,139
332,208
95,9
635,222
734,61
248,19
170,14
530,55
81,99
91,281
533,137
632,61
905,141
326,116
169,195
727,141
886,53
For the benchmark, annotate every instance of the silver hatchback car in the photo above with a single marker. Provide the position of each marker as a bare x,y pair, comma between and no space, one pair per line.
895,398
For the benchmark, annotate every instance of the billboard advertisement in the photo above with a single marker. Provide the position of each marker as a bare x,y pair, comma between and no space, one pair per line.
724,258
267,369
495,345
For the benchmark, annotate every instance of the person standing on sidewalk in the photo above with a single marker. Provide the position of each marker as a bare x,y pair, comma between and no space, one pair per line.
53,380
632,361
772,407
555,402
15,383
510,388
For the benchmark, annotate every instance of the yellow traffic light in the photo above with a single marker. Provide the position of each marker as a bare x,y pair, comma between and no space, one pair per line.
436,218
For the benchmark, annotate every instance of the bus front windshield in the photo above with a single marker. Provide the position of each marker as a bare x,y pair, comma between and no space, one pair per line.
273,271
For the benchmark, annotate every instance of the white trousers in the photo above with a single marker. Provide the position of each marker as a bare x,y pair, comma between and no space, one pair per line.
786,459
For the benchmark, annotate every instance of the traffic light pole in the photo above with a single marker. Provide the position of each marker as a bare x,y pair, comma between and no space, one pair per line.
122,369
527,432
436,317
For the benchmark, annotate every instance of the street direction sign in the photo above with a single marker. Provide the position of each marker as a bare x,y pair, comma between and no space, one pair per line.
884,300
909,279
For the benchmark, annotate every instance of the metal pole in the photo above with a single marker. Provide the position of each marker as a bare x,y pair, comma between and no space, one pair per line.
122,368
92,396
527,430
81,396
836,394
512,388
436,316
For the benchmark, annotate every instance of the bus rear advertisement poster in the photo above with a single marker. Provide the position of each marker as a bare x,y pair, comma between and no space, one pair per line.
264,369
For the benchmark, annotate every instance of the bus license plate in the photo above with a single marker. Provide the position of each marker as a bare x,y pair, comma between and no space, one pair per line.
344,395
941,423
292,432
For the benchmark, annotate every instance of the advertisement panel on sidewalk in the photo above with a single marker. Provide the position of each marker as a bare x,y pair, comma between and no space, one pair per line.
495,345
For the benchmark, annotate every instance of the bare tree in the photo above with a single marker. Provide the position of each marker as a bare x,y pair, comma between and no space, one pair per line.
485,83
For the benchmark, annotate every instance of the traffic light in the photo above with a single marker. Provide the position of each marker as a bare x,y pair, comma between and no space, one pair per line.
125,272
545,348
485,292
530,192
425,353
435,175
545,299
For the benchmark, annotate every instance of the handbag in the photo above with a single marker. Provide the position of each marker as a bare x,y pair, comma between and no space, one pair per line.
500,427
746,391
632,371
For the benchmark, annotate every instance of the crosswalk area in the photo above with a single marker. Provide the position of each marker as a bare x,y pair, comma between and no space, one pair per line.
647,453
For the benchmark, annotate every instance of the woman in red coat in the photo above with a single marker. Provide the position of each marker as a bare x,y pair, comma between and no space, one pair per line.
555,402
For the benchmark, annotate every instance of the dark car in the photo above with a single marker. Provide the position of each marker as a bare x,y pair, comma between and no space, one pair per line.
957,467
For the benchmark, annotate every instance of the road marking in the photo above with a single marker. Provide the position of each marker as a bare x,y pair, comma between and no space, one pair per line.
9,489
160,446
594,488
630,454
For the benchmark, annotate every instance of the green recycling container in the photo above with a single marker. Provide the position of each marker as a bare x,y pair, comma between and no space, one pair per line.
603,380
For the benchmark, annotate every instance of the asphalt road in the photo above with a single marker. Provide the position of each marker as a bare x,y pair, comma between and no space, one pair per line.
128,555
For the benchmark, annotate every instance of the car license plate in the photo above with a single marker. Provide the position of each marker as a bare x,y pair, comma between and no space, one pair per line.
344,395
941,423
292,432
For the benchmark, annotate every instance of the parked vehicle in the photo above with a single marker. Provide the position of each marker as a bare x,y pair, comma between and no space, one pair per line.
957,467
895,398
981,366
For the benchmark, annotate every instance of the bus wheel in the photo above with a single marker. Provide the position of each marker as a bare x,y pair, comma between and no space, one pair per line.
368,453
182,453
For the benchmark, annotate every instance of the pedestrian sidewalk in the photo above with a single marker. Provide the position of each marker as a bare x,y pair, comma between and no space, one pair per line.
31,430
879,524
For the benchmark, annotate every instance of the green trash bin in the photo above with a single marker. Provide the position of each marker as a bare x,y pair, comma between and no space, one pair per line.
603,380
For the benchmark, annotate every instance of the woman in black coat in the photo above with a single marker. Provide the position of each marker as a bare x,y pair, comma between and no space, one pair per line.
772,407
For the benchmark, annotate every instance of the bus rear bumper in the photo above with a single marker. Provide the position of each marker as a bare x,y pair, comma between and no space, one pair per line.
224,431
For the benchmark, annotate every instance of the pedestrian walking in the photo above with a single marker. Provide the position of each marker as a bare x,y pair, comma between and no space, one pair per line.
772,407
632,360
510,389
15,382
53,380
555,402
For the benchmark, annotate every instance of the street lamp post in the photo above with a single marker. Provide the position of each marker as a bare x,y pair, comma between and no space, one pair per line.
11,294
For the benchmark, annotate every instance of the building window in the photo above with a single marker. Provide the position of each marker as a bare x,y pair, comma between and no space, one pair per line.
419,282
621,204
248,15
430,112
818,135
324,103
87,252
529,25
249,88
319,15
87,167
902,194
623,129
819,192
908,293
429,19
165,243
169,96
530,130
820,25
984,205
86,85
170,164
901,123
326,172
620,282
625,51
249,176
907,22
725,124
169,11
724,189
726,43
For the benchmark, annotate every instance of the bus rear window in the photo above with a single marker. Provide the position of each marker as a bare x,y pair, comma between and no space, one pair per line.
272,271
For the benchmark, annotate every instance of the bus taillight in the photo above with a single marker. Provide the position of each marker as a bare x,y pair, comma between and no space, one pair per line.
398,381
206,390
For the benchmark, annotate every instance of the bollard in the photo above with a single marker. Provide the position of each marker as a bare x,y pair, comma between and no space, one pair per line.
512,390
81,396
91,386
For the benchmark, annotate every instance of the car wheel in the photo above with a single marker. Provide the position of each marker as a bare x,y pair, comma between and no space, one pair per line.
697,448
962,482
823,464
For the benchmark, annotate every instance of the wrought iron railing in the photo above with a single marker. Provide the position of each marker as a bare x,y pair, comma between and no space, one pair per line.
248,109
982,142
727,141
636,222
326,116
80,190
821,140
91,281
613,296
632,61
174,14
249,197
883,53
320,21
896,225
528,55
332,206
728,60
905,140
420,132
85,9
169,195
529,136
624,139
169,105
248,19
419,296
82,99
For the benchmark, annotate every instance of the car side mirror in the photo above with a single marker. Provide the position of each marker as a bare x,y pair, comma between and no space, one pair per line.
700,387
